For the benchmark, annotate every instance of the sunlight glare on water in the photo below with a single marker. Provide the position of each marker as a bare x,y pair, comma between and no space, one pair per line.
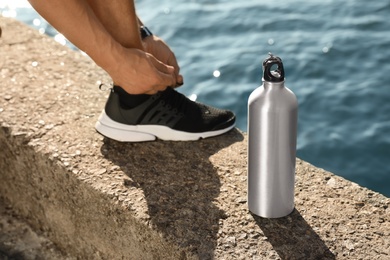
13,4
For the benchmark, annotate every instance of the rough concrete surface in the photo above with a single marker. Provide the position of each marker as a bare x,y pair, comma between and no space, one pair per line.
19,241
87,197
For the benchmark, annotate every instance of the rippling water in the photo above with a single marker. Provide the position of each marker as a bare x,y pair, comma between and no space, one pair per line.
336,56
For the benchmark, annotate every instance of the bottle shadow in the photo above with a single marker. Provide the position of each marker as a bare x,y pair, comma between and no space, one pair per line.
179,184
293,238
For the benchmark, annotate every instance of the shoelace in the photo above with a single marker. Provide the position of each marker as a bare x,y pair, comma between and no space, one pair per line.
176,100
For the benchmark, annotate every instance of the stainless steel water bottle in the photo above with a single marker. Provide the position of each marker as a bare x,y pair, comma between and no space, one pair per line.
272,135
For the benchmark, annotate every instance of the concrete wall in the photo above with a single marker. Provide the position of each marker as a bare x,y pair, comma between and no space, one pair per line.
100,199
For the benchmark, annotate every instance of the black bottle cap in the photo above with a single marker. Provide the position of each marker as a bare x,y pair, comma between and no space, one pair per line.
276,75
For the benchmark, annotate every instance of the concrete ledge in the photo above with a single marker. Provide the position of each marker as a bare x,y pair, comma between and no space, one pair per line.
99,199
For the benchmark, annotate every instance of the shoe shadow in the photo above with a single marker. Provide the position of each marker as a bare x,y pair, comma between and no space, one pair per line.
179,184
293,238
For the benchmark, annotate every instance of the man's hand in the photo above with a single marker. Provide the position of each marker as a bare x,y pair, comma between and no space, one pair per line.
139,72
159,49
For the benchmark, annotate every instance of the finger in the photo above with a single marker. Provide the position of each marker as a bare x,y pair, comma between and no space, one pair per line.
158,87
173,61
161,66
179,80
151,92
166,73
165,80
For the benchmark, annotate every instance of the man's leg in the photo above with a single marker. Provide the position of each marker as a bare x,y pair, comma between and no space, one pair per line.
135,70
120,20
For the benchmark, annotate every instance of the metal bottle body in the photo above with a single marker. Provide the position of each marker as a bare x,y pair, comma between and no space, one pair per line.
272,133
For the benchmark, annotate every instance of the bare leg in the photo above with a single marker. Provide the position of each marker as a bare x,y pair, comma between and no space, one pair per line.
136,71
119,19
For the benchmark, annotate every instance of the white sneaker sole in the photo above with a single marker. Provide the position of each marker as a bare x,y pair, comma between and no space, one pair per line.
142,133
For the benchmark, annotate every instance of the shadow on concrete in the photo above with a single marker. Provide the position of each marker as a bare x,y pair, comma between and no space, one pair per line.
179,183
293,238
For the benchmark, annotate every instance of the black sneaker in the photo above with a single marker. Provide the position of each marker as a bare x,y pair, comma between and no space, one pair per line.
167,115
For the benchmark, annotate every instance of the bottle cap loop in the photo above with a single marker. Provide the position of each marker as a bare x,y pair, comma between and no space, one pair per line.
271,75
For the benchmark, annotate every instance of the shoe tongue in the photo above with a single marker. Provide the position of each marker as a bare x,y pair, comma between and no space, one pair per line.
129,100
